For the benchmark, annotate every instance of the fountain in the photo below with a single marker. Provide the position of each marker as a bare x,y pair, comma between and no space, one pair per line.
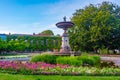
65,47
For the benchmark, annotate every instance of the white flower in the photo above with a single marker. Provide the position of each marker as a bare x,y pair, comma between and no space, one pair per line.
89,71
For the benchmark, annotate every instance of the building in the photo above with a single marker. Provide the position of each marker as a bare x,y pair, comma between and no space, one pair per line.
3,37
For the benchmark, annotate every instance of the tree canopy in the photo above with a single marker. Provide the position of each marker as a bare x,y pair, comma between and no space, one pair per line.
96,27
47,32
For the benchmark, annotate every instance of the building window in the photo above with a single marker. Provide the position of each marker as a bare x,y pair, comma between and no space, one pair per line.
42,42
46,41
31,42
37,43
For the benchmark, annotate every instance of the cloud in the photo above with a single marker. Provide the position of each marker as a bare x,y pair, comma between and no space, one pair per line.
4,30
68,7
40,17
37,28
54,28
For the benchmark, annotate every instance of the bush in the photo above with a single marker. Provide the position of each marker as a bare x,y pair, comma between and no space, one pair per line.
97,59
90,60
104,51
69,60
48,58
87,60
107,64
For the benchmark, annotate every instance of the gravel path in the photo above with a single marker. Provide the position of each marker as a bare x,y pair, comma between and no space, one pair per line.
19,59
116,60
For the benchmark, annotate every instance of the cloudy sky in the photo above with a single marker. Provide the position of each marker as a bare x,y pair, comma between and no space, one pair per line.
29,16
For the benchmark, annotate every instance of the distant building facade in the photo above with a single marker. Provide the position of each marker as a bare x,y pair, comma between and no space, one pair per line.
35,42
3,37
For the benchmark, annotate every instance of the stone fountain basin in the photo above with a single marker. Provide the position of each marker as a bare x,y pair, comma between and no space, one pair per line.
65,24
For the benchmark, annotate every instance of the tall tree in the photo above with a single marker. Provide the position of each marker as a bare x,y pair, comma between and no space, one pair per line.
94,27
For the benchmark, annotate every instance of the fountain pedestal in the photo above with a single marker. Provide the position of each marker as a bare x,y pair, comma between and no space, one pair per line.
65,47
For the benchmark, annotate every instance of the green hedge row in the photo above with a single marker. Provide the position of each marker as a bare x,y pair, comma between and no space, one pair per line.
90,60
70,60
44,58
29,43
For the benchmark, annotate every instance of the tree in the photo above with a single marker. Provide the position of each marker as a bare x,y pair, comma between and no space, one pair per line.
17,45
47,32
94,27
58,35
3,46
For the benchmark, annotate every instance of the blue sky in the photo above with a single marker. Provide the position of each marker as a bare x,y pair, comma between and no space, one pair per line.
29,16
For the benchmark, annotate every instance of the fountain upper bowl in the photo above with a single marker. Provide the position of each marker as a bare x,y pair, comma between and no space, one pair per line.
65,24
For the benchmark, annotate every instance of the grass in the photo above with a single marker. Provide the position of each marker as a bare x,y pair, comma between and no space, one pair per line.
5,76
17,56
14,56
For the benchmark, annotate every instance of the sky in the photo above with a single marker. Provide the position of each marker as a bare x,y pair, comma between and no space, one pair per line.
35,16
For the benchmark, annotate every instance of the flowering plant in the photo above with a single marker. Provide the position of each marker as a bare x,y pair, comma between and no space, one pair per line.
46,68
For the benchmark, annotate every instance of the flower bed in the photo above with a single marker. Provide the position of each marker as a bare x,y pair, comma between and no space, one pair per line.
15,67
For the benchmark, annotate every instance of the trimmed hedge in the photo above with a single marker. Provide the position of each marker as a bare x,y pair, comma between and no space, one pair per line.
48,58
69,60
90,60
36,43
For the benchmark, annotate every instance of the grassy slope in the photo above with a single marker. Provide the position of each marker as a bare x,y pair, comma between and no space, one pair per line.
54,77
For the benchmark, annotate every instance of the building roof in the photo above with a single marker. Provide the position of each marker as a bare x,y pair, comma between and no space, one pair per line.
33,35
2,34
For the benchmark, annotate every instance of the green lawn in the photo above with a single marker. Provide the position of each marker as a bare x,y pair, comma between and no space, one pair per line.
54,77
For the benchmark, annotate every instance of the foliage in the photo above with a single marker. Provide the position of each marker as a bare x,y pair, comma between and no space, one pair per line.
58,35
96,26
103,51
87,60
97,60
69,60
32,43
17,67
47,32
107,64
17,45
48,58
90,60
3,45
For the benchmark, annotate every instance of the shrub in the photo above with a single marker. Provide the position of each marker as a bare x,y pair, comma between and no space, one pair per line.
97,59
103,51
48,58
87,60
107,64
69,60
90,60
74,61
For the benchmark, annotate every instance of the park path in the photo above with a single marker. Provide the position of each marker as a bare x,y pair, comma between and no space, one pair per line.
116,60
